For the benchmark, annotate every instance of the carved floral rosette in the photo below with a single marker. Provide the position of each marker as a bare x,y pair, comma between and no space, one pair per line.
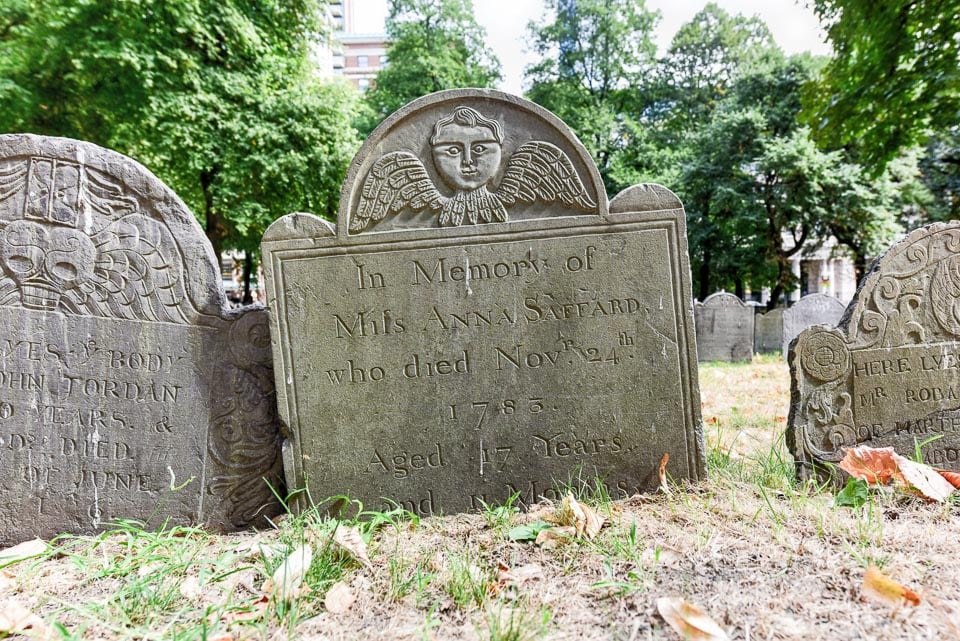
910,298
88,234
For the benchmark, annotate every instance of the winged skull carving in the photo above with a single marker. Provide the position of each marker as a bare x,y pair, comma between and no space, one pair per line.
81,245
467,149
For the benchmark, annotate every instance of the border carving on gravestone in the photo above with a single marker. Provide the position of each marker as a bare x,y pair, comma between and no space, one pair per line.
888,374
725,328
408,370
102,261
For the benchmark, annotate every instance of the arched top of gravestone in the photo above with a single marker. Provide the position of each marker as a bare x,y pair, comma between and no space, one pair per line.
723,299
818,303
467,157
87,231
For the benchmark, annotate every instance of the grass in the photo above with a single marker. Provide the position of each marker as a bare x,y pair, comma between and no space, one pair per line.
766,556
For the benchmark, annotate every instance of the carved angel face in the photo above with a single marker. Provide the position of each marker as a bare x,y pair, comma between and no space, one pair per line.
466,157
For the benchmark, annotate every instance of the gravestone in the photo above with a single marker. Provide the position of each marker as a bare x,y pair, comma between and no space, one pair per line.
889,374
768,332
480,322
126,390
812,309
724,329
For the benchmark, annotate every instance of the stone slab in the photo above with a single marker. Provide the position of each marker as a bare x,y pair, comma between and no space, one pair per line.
127,391
439,365
724,329
889,373
812,309
768,332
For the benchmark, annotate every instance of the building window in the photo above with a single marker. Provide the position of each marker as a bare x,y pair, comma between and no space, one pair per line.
383,61
363,61
363,84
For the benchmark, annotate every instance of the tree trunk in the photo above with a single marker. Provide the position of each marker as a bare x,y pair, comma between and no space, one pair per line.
247,271
738,287
705,276
215,229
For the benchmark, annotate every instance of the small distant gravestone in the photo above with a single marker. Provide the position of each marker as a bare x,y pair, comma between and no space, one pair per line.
889,374
480,323
768,332
126,390
724,328
812,309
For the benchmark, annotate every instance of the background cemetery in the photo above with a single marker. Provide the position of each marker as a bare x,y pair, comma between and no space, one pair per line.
792,181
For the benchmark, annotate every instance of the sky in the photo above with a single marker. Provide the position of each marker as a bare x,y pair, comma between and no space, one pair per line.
794,26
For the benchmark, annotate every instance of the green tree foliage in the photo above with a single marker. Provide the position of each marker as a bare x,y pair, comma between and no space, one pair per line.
594,56
434,45
216,97
894,76
940,168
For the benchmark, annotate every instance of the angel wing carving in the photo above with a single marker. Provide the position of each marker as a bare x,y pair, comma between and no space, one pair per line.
396,181
466,147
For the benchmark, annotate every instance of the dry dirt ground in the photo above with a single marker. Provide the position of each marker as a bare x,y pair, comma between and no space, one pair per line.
765,557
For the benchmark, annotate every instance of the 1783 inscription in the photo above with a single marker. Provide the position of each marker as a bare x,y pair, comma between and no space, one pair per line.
889,375
465,360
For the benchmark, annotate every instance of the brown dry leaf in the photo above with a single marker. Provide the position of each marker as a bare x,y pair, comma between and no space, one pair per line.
952,477
21,551
516,577
582,517
663,473
872,464
689,621
880,587
925,479
255,611
339,598
287,578
555,536
350,540
15,618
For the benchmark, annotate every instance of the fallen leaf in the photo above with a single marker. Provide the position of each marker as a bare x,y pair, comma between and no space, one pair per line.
339,598
663,473
516,577
582,517
350,540
660,555
880,587
555,536
952,477
8,580
21,551
689,621
875,465
255,610
287,578
15,618
925,479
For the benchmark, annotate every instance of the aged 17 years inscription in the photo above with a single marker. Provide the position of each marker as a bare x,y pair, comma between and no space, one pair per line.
480,323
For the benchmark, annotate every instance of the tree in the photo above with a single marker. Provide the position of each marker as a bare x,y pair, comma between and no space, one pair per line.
434,45
216,97
895,75
595,54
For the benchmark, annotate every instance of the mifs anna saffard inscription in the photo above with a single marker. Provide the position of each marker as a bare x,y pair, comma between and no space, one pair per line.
480,323
889,374
126,389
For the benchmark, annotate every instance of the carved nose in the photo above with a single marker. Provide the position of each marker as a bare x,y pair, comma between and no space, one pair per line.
467,158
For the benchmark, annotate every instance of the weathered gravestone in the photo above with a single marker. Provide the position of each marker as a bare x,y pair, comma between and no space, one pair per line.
812,309
121,377
768,331
889,374
724,328
480,322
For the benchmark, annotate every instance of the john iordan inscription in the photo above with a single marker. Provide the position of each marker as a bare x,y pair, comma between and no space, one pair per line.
480,322
889,374
126,390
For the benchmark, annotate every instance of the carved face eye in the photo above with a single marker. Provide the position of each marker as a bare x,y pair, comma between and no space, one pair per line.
453,150
21,263
479,149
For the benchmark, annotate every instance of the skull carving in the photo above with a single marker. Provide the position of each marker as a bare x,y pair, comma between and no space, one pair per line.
45,262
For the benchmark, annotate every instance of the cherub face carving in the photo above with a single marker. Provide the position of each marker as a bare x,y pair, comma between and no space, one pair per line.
466,149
